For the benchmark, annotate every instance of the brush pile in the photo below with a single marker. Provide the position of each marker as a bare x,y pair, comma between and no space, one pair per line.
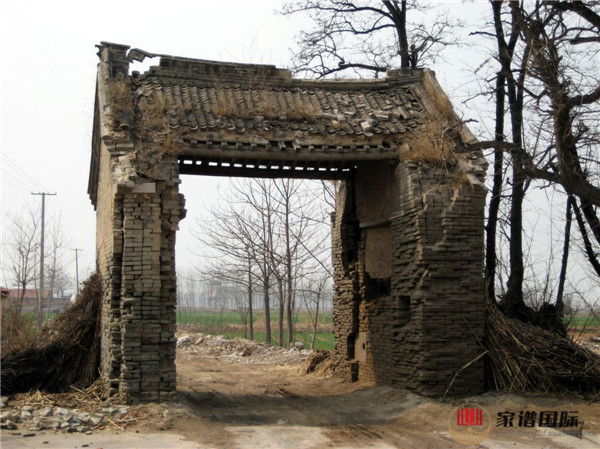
526,358
319,362
66,352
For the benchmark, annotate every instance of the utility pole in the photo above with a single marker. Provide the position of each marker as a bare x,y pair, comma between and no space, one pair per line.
76,268
41,289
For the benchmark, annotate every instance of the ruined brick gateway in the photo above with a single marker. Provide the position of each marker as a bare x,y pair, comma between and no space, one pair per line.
407,233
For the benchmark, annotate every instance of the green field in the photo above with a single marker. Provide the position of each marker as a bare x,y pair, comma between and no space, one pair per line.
230,324
228,316
589,323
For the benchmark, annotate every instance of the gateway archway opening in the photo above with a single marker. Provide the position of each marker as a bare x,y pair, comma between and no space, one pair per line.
228,250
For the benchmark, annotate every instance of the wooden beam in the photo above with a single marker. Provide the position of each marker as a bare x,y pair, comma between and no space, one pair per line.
211,170
287,155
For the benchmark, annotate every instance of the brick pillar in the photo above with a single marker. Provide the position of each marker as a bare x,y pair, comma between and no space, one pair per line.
151,212
344,235
409,287
437,239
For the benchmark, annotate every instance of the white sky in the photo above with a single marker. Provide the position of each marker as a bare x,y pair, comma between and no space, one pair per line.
48,74
48,62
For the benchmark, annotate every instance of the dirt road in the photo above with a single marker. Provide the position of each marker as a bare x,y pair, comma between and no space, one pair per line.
239,395
261,399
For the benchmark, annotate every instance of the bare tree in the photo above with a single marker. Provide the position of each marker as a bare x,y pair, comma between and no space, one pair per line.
57,245
546,90
551,84
229,233
366,36
266,234
23,243
313,297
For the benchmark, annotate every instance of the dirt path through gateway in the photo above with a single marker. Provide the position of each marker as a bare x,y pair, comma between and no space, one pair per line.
241,395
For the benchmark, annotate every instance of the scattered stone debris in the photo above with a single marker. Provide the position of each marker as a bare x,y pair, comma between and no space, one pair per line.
77,411
239,350
64,419
593,344
85,411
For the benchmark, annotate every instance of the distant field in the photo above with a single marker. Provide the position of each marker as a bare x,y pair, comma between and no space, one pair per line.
323,340
230,324
215,317
588,323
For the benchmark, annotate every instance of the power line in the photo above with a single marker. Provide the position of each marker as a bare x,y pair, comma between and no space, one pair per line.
23,174
25,189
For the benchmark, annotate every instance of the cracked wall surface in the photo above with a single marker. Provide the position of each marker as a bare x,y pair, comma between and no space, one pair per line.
418,322
138,211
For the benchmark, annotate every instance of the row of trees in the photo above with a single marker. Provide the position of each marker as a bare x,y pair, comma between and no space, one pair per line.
542,75
227,301
21,261
270,238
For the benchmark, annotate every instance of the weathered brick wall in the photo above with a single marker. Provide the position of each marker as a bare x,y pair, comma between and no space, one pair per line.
137,218
136,257
148,297
344,235
108,259
423,323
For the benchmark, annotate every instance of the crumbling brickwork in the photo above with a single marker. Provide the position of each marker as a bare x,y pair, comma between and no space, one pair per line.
407,234
137,217
418,327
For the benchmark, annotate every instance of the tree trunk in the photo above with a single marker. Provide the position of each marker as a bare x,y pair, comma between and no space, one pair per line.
565,256
587,244
289,273
267,309
399,19
513,302
290,316
494,207
315,325
250,311
281,308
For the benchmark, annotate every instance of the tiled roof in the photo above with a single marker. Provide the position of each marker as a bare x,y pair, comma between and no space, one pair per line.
205,95
247,119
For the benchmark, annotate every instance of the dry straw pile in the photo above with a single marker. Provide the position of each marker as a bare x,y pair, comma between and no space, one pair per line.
66,352
319,362
526,358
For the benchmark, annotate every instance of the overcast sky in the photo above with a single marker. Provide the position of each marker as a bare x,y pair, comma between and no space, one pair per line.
48,80
49,74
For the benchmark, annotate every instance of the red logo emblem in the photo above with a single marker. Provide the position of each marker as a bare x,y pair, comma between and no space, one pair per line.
469,416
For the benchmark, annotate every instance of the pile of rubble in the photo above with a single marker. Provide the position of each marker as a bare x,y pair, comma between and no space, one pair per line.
593,344
239,350
76,411
62,419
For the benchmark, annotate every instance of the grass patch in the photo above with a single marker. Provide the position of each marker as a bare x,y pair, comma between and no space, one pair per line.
121,102
589,323
230,324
